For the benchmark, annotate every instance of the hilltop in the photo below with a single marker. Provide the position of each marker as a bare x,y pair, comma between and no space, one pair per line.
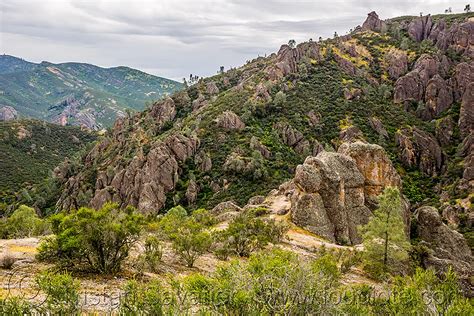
77,93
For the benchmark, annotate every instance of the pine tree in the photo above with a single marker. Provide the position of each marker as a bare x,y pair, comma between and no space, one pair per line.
385,242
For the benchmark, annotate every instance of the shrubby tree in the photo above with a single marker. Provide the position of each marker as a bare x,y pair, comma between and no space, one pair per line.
24,222
292,43
99,239
385,242
61,292
248,233
189,235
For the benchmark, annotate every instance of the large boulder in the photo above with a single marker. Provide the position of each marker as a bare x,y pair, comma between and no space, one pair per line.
293,138
449,248
374,164
332,193
163,112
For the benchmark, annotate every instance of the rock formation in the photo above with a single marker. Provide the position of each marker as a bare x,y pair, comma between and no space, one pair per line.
420,149
230,121
420,28
373,23
8,113
332,192
449,248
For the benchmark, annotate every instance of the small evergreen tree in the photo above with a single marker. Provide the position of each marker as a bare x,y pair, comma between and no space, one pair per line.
385,242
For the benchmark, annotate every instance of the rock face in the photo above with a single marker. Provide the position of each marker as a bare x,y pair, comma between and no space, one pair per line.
8,113
466,114
444,130
287,59
230,121
438,98
420,149
192,192
449,247
293,138
420,28
373,23
397,63
142,183
333,191
163,112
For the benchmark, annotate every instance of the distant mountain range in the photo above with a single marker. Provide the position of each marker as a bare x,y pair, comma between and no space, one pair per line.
75,93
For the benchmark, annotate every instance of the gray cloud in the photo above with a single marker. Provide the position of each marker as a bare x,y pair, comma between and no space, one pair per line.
173,38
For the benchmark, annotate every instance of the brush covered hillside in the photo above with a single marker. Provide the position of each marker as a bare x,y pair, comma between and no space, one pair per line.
313,134
77,93
31,149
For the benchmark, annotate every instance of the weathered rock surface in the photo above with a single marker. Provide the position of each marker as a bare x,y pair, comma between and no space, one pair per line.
397,63
438,98
262,149
293,138
377,125
203,161
163,112
331,193
287,59
192,192
142,183
420,149
8,113
450,249
373,23
445,130
420,28
230,121
466,113
211,88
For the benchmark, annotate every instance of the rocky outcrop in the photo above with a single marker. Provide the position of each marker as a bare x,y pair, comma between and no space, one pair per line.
287,59
262,149
420,28
331,193
163,112
420,149
375,166
463,76
203,161
192,192
425,83
8,113
377,125
293,138
230,121
397,63
200,102
211,88
373,23
438,98
449,248
444,130
142,183
466,113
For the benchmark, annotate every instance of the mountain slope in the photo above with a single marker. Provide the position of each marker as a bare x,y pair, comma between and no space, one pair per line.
75,93
405,84
30,149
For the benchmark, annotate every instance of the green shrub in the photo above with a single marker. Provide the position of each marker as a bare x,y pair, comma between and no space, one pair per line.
15,307
99,239
188,234
61,292
248,233
153,252
24,222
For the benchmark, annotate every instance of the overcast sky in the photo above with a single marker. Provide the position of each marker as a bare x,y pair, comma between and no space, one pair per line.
173,38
